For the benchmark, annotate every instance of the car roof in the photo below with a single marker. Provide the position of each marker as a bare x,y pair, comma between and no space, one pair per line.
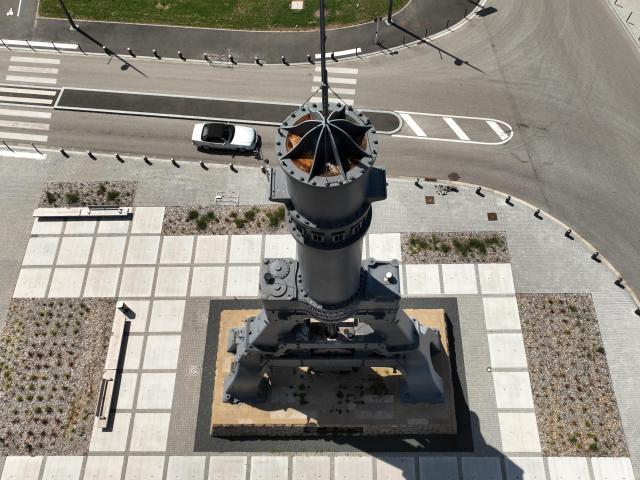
211,130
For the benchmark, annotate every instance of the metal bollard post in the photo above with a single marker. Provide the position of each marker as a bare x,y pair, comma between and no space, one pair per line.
537,214
284,61
257,60
146,160
596,257
619,282
448,21
309,59
64,153
231,59
233,168
202,164
131,52
569,234
637,311
6,145
91,155
263,169
333,56
180,56
479,191
174,163
119,158
508,201
156,54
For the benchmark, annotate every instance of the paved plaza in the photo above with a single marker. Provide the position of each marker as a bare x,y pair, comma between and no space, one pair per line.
169,282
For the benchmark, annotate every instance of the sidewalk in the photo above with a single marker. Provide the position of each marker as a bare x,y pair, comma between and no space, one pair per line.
410,24
628,11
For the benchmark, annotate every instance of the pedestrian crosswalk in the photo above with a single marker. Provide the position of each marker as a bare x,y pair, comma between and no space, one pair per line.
342,82
26,97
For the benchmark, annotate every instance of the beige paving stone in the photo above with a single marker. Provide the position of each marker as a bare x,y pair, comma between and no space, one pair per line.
161,352
172,282
32,283
347,467
148,467
101,282
107,467
21,468
245,249
41,251
47,226
66,282
396,468
147,220
142,250
167,315
114,440
136,282
150,432
62,468
279,246
272,467
207,282
311,467
156,391
80,226
211,249
242,281
186,468
74,251
176,249
108,250
227,467
113,225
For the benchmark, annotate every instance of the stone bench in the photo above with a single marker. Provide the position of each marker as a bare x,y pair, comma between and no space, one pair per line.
105,396
92,211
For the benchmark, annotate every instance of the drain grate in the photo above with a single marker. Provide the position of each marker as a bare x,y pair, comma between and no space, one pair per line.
492,216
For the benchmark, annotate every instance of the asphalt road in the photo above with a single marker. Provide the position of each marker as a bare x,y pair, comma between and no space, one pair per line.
564,78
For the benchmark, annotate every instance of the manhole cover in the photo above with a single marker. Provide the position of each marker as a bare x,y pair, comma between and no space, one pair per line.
492,216
429,199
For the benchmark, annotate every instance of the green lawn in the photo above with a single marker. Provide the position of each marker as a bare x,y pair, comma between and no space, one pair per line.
240,14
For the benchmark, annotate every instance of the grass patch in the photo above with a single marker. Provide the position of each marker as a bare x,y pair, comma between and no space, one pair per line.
240,14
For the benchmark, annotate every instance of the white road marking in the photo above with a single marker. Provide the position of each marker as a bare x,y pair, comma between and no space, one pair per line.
46,71
343,91
19,154
341,53
23,136
19,7
318,100
348,81
413,125
20,78
496,128
52,61
48,93
24,113
456,129
32,44
40,101
26,125
10,12
342,71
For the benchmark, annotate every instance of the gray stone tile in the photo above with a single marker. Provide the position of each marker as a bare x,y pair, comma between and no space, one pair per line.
242,281
348,467
227,467
161,352
176,249
310,467
269,468
211,249
172,282
142,250
279,246
107,467
396,468
245,249
148,467
74,251
186,468
80,226
114,440
438,468
207,282
108,250
126,391
102,282
525,468
132,352
32,283
422,279
519,432
166,316
147,220
62,468
156,391
481,468
66,282
47,226
41,251
385,246
136,282
568,468
113,225
21,468
459,279
150,431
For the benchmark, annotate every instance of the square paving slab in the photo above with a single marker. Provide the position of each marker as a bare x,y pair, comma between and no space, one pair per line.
150,432
438,468
507,350
568,468
21,468
269,468
108,250
79,226
41,251
144,468
495,278
245,249
242,281
147,220
62,468
211,249
612,468
74,251
114,440
422,279
207,282
32,283
396,468
162,352
279,246
142,250
459,279
172,282
481,468
525,468
176,249
156,391
519,432
66,282
311,468
47,226
185,468
136,282
228,467
513,390
167,315
501,313
385,246
102,282
103,467
353,468
113,225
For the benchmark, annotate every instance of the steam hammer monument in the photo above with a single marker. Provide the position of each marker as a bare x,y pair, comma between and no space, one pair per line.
328,309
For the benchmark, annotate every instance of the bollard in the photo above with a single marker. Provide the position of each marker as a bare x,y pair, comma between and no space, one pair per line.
448,21
263,169
596,257
123,307
508,201
91,155
233,168
202,164
205,56
426,32
479,192
637,312
568,234
619,282
146,160
64,153
6,145
231,59
537,214
156,54
174,163
180,56
465,12
119,158
333,57
628,18
284,61
257,60
309,59
131,52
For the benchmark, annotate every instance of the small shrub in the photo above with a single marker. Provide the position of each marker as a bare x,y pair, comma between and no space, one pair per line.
192,215
240,223
233,214
276,217
38,410
71,198
102,188
250,215
113,195
202,223
51,197
211,215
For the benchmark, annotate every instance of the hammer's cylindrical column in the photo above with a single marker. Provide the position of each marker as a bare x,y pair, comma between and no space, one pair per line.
328,167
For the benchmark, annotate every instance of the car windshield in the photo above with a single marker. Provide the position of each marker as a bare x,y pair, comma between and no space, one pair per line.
217,132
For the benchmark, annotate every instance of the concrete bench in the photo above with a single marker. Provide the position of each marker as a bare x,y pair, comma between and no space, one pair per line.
105,396
92,211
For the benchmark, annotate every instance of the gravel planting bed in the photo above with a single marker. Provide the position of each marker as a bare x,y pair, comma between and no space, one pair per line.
52,355
203,220
455,247
81,194
575,403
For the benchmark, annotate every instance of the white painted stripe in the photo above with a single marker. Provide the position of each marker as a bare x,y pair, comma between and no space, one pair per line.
499,131
20,78
23,136
413,125
318,100
26,125
24,43
341,53
5,112
342,71
51,61
342,91
46,71
18,154
27,91
348,81
39,101
456,128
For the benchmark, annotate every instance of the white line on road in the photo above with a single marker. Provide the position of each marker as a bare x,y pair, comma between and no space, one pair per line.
46,71
342,71
19,7
23,136
27,91
413,125
343,91
26,125
40,101
20,78
499,131
6,112
51,61
18,154
349,81
318,100
456,128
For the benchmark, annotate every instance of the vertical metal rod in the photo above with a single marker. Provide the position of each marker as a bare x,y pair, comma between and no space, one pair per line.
390,11
323,63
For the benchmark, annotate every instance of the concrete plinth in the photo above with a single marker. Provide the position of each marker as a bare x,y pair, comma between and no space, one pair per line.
363,402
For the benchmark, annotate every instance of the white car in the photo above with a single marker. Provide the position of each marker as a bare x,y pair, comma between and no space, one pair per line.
224,136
